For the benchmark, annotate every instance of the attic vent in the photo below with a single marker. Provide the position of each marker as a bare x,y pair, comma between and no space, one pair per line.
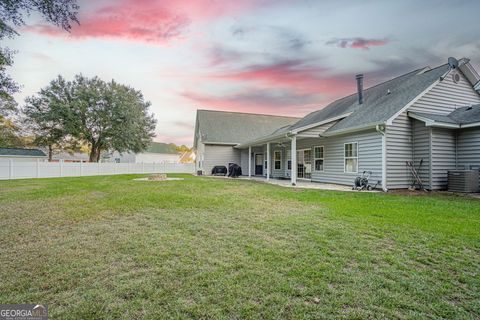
456,77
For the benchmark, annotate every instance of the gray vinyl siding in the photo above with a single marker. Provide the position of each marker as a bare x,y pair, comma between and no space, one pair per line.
443,98
421,150
468,148
244,161
369,157
219,155
446,96
443,156
399,150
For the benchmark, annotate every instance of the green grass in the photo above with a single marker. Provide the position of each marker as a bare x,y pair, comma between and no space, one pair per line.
111,247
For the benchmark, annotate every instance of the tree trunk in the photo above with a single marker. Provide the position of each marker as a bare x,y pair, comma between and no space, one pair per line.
50,153
93,155
98,154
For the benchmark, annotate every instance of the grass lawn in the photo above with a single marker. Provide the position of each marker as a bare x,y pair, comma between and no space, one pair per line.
111,247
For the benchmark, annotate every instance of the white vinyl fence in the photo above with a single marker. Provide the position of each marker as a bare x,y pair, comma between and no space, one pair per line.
11,169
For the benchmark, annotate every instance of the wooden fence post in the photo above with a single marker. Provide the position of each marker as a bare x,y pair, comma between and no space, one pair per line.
38,169
60,163
81,168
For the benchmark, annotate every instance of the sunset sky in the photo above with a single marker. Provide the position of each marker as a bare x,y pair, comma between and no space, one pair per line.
281,57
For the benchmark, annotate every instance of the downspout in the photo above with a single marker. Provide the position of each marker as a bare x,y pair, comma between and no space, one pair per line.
381,128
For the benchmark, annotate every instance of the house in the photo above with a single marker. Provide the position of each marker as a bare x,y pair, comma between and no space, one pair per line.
429,114
157,152
218,132
70,157
21,154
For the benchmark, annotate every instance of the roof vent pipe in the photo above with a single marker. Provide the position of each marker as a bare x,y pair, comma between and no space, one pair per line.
359,78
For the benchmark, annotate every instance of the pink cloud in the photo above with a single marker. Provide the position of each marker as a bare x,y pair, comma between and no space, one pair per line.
257,101
294,75
147,20
358,43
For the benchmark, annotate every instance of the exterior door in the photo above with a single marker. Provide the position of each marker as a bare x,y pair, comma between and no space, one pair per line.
258,164
304,164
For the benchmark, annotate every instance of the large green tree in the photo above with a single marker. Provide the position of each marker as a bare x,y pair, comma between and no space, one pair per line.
110,116
89,111
46,116
61,13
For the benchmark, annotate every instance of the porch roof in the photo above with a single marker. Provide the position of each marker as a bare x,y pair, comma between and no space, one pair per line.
460,118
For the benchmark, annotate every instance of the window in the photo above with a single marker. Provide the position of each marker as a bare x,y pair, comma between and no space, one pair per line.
351,157
289,165
318,156
277,158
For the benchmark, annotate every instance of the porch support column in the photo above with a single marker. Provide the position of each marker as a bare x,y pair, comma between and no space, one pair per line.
249,162
268,161
293,171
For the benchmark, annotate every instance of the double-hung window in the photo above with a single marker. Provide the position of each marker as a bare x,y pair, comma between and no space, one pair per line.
318,157
351,157
277,158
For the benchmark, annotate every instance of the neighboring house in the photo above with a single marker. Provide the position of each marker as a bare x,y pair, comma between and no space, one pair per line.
70,157
20,154
157,152
218,132
430,113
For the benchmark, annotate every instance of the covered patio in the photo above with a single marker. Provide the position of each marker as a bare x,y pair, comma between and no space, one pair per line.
302,184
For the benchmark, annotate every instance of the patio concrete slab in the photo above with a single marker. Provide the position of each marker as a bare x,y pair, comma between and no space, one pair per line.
300,184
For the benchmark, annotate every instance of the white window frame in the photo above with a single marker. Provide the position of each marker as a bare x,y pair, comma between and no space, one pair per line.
345,157
275,161
322,158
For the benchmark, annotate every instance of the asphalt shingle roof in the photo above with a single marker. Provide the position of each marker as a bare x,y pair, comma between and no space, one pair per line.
22,152
235,127
384,100
463,115
380,102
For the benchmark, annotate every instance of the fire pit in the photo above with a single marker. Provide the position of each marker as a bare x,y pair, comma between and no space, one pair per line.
157,177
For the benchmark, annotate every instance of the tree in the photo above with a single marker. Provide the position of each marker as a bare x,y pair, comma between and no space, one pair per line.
9,134
108,116
46,115
104,116
183,148
61,13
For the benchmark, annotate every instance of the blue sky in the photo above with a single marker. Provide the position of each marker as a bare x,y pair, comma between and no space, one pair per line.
266,56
